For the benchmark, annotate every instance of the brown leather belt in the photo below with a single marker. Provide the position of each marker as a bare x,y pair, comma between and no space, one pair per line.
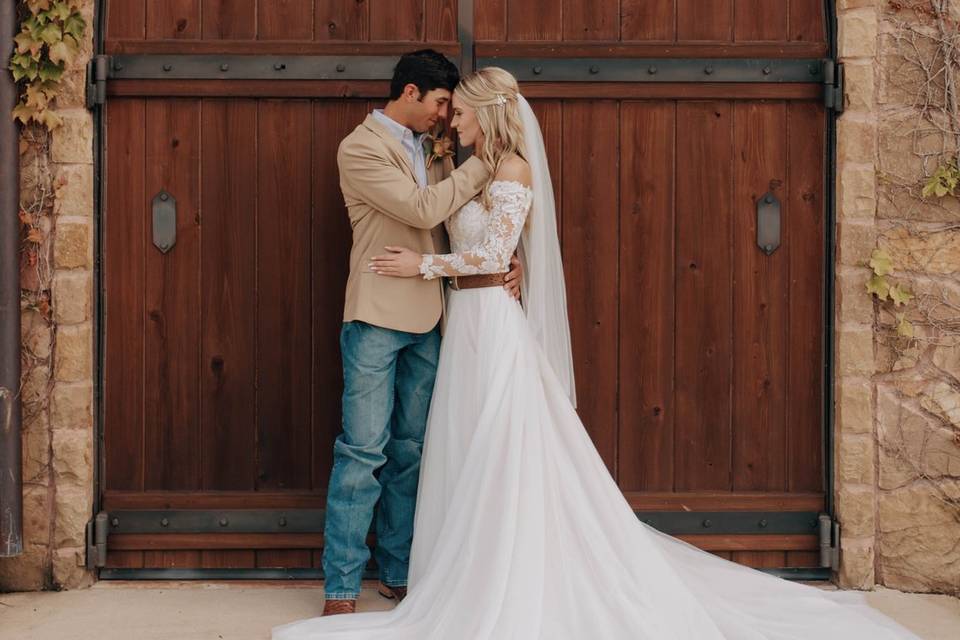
475,282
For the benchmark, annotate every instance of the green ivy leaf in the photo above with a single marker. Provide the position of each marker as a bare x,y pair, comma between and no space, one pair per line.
60,53
60,11
75,25
23,113
50,71
51,33
900,295
880,262
904,326
878,285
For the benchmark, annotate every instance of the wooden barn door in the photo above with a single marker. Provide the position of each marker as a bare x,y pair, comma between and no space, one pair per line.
698,353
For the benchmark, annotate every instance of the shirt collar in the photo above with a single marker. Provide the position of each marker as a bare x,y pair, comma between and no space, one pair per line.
401,132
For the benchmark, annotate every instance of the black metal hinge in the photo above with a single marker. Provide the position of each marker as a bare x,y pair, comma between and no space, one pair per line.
97,541
98,70
833,85
829,534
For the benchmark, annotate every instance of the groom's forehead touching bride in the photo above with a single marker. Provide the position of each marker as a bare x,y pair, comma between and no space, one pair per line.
420,89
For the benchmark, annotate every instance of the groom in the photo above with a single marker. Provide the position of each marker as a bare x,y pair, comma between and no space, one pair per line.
390,339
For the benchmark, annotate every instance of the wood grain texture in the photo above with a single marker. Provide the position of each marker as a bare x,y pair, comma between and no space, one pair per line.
229,19
760,20
590,248
490,20
126,19
342,20
647,229
703,296
125,222
648,20
176,19
591,20
285,20
441,20
698,20
172,435
807,21
397,20
534,20
228,277
550,116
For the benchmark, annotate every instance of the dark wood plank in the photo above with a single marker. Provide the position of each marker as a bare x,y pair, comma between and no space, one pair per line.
234,542
397,20
228,273
685,49
177,19
126,19
760,303
123,273
441,20
590,203
648,20
124,559
534,20
803,559
252,88
760,559
591,19
285,20
760,20
228,559
285,559
698,20
703,298
753,542
342,20
172,300
550,116
807,23
236,19
171,559
647,295
671,90
266,47
332,239
283,285
805,229
723,501
490,20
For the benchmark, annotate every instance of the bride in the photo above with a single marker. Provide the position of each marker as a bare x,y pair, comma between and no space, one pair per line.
520,531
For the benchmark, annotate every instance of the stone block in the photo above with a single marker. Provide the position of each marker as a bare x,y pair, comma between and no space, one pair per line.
854,409
36,334
857,191
72,246
854,304
855,243
72,143
856,563
856,140
72,296
37,512
858,33
74,191
856,511
855,351
859,86
932,253
71,406
36,384
72,457
69,571
855,460
73,358
26,572
73,507
35,457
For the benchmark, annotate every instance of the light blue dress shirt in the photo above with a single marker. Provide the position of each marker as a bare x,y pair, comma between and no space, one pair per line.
412,143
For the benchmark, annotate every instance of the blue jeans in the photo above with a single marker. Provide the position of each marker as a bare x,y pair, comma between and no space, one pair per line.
388,380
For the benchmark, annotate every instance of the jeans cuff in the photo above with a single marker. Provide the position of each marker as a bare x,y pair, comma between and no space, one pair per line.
343,595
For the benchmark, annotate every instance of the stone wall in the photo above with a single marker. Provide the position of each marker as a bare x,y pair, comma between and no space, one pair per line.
58,345
898,398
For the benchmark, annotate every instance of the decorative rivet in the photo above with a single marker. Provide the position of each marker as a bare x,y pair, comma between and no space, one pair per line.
167,67
763,524
594,69
279,66
115,522
766,71
813,69
768,199
707,523
538,70
117,66
282,522
164,197
224,67
341,68
708,70
164,522
768,248
224,522
652,70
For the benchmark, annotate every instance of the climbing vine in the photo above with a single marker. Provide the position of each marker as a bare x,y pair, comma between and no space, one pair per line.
50,35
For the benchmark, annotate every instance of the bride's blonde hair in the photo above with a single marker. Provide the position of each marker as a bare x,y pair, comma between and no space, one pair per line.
493,92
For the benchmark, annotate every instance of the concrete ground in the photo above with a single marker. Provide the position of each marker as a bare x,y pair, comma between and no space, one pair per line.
247,611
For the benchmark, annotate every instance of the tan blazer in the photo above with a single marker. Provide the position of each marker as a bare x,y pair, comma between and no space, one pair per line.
387,207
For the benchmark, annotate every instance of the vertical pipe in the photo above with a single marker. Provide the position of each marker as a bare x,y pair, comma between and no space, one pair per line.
11,496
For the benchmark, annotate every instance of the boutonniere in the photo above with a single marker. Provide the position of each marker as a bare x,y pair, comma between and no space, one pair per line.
438,147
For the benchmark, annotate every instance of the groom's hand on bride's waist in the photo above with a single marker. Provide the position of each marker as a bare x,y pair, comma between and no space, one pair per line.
514,278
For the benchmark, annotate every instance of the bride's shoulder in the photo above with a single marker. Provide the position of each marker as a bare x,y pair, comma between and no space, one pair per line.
514,169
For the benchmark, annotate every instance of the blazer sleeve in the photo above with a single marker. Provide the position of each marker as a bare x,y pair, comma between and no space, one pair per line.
365,170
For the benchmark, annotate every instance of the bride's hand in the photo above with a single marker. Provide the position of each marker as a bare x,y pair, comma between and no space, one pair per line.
399,263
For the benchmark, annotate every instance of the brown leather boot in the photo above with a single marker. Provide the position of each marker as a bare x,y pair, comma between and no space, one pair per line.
392,593
335,607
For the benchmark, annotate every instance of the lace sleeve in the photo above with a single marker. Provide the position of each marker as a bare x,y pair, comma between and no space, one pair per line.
508,212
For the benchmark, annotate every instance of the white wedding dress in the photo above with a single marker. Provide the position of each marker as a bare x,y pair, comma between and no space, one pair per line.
521,532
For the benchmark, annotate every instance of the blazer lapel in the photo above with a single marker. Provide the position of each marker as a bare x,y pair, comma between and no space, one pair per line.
392,144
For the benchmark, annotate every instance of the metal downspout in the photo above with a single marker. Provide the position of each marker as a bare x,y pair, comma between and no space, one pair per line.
11,496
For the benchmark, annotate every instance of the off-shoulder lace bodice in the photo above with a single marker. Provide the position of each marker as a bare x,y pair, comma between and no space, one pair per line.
482,241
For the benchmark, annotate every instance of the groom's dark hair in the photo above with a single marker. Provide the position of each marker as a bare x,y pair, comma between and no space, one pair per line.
426,68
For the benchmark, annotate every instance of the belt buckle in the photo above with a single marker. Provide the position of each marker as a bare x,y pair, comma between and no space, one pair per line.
454,283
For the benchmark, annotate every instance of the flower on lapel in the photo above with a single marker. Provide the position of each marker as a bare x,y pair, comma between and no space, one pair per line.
440,147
